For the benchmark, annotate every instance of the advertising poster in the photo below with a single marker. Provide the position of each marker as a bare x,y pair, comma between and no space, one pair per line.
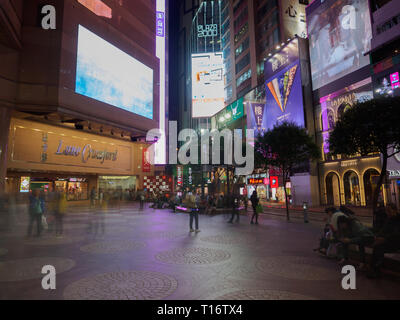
146,166
256,117
207,84
284,97
293,13
25,184
340,33
236,109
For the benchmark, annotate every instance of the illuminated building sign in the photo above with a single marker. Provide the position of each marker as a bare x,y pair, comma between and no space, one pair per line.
160,24
179,175
146,166
208,30
256,181
86,153
394,173
394,80
274,182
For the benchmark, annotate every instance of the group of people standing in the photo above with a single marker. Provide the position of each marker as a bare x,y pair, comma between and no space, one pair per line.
192,201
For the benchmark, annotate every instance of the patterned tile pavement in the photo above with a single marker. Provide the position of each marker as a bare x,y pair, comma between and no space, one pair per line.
151,254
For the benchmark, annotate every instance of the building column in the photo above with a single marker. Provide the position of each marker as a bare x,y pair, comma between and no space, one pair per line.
5,116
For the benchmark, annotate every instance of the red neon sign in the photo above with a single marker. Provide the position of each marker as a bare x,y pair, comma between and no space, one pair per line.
274,182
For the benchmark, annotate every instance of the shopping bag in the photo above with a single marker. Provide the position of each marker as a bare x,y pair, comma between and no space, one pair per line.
44,223
259,208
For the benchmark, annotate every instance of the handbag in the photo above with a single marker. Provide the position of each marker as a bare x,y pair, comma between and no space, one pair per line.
259,208
44,223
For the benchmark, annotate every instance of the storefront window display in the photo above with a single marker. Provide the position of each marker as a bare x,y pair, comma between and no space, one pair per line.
352,188
77,189
117,182
259,183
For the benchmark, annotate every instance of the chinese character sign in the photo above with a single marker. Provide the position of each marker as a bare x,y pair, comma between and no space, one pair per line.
160,24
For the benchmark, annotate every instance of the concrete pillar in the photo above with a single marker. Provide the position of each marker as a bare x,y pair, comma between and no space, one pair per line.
5,116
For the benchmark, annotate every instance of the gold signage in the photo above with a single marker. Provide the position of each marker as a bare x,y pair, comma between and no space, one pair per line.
38,146
86,153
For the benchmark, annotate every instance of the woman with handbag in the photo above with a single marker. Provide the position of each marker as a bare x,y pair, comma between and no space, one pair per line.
255,204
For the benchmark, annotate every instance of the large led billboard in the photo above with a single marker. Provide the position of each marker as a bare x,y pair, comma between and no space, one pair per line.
107,74
340,33
207,84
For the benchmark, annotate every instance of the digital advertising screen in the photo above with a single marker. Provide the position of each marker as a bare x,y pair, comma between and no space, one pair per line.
107,74
284,97
340,33
207,84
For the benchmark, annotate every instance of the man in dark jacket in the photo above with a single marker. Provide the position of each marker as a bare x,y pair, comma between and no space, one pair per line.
387,240
352,231
254,203
234,204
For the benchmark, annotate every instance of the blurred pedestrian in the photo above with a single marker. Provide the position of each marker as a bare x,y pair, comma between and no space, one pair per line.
234,204
35,212
60,212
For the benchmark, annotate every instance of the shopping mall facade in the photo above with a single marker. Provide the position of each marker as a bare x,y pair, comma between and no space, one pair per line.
61,125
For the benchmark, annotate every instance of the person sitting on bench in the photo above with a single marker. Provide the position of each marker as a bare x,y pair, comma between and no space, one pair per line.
387,240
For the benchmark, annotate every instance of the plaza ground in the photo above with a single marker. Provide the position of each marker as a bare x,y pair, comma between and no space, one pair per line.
150,254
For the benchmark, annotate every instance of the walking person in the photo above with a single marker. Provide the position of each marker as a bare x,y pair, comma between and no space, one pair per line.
234,204
35,213
93,196
254,203
141,199
60,212
194,213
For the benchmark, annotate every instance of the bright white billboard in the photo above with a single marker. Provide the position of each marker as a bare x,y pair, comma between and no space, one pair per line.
107,74
207,84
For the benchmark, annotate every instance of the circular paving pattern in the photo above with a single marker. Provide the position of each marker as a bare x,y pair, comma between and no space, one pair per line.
193,256
263,295
129,285
3,251
229,239
31,268
165,235
52,240
294,267
112,246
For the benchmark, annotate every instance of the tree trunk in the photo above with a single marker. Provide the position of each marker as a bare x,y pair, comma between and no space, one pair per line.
286,197
378,187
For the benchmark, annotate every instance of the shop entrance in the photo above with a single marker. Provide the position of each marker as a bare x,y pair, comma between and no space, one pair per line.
371,177
352,188
332,189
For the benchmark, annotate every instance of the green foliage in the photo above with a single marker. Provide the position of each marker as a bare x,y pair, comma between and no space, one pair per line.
285,146
368,127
